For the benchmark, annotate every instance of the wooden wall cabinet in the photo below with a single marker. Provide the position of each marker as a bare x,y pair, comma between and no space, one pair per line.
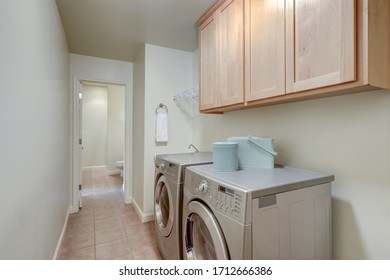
208,63
320,43
264,49
294,50
221,55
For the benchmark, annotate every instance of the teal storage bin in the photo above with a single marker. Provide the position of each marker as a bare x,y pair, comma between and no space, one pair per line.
225,156
255,152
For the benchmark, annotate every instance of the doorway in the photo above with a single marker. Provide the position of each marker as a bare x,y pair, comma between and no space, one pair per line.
103,126
114,101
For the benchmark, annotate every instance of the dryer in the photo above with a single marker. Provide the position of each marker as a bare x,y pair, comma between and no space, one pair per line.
278,213
168,194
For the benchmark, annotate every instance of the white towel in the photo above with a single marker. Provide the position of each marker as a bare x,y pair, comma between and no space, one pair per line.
162,127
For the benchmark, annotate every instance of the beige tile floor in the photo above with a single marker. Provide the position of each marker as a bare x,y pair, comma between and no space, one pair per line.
106,228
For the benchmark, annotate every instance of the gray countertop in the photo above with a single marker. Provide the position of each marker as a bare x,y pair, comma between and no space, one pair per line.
264,181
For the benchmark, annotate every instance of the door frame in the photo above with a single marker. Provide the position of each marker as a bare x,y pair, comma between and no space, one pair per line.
75,132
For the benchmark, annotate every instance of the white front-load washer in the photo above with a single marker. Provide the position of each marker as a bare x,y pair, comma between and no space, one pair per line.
168,197
264,213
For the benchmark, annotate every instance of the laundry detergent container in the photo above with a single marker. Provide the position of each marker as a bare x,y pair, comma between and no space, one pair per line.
225,156
255,152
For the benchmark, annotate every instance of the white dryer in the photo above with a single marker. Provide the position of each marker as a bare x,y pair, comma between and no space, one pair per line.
168,197
280,213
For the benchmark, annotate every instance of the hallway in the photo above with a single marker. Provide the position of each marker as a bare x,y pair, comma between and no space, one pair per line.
106,228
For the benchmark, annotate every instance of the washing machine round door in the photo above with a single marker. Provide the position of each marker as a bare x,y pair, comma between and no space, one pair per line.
203,237
163,206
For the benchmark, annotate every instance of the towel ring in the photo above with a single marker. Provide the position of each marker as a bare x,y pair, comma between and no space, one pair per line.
161,106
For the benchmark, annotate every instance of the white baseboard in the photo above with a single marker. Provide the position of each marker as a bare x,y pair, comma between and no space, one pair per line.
128,200
59,243
109,172
148,217
145,217
94,167
113,172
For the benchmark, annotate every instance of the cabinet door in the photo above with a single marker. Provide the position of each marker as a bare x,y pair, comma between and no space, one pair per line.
293,225
208,64
265,49
320,43
230,52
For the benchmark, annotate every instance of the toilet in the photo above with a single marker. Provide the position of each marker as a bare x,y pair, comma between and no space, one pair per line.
119,164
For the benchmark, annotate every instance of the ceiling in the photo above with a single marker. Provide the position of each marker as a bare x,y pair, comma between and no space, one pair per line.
117,29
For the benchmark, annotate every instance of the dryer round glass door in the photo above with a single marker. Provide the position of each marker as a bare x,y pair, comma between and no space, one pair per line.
163,206
203,237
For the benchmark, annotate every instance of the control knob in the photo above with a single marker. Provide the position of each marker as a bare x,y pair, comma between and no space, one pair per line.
203,186
162,166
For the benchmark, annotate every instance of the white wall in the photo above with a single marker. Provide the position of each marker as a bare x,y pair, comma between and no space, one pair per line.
195,67
139,129
348,136
95,126
166,72
86,68
115,125
34,123
103,125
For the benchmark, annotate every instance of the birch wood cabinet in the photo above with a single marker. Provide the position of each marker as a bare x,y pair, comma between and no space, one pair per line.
221,55
264,49
208,63
320,43
293,50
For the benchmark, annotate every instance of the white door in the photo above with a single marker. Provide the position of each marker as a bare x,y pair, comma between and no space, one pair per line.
202,236
80,148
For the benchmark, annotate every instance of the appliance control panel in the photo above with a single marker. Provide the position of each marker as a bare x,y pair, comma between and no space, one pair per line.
221,198
169,169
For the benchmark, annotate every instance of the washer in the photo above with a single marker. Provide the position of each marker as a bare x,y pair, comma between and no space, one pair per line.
168,194
278,213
